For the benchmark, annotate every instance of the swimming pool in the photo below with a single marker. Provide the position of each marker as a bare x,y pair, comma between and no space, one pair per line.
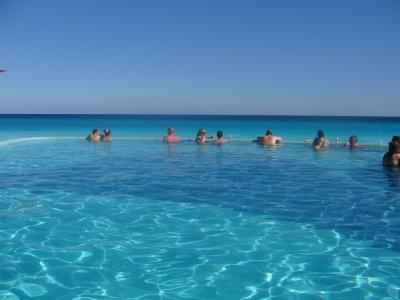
137,219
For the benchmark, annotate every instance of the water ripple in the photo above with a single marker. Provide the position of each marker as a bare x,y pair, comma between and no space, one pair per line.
140,220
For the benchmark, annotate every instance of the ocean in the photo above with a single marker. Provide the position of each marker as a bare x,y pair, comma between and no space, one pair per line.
138,219
370,130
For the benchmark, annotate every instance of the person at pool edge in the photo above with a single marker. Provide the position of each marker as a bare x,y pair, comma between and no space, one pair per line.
107,135
269,139
392,157
95,136
320,142
171,138
201,137
220,138
353,142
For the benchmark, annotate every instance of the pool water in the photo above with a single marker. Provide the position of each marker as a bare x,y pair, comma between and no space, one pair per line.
137,219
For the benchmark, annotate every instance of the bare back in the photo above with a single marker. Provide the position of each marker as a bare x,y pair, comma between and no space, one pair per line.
220,141
391,160
171,139
271,140
94,138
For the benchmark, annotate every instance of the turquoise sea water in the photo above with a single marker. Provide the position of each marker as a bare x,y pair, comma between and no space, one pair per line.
137,219
370,130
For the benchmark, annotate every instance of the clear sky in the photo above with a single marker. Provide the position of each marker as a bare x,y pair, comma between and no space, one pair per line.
270,57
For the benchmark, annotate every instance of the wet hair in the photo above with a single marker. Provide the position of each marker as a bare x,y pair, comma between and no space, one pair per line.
170,130
107,132
394,148
353,137
320,134
95,130
316,141
396,139
220,134
269,132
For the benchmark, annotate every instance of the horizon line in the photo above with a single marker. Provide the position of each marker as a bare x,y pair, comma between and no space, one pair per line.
193,114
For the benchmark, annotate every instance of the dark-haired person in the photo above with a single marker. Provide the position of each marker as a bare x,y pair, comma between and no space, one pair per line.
171,138
396,139
107,135
392,157
269,139
320,142
220,138
95,136
353,142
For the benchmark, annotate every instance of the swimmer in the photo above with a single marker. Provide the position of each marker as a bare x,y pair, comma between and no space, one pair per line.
95,136
396,139
107,135
269,139
353,142
171,138
220,138
320,142
392,157
201,137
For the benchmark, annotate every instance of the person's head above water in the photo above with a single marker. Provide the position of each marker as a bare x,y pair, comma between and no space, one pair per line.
269,132
396,139
353,139
107,132
394,148
320,134
201,131
170,130
95,131
220,134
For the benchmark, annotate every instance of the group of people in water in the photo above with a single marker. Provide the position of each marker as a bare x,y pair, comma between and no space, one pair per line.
201,138
391,158
95,136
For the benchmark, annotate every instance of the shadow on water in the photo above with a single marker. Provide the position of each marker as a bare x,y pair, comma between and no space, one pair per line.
331,190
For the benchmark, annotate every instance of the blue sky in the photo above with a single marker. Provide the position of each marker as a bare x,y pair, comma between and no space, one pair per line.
200,57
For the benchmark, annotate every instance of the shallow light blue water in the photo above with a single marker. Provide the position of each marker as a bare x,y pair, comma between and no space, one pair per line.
137,219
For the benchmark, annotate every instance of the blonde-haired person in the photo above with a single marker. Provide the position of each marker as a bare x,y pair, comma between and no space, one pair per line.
201,137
